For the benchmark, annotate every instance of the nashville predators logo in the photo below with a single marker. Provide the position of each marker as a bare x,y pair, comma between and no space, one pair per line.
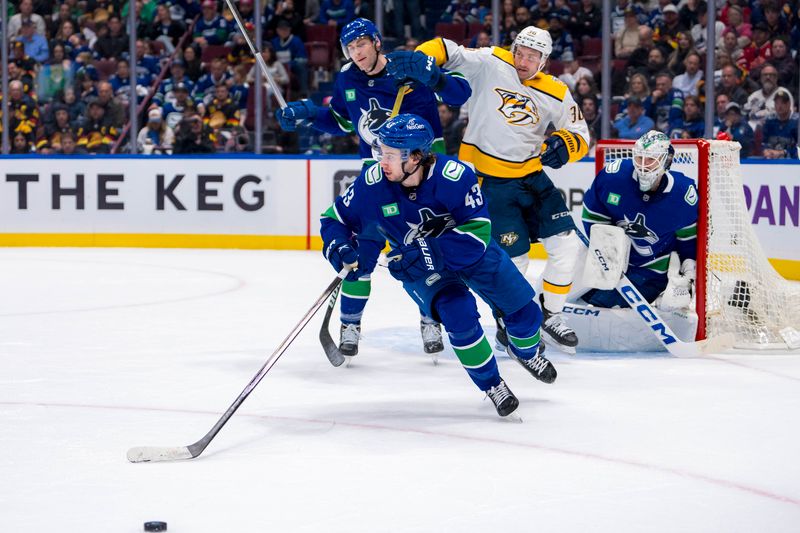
507,239
518,109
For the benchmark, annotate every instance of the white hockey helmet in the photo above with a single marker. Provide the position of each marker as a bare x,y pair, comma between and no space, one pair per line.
652,157
537,39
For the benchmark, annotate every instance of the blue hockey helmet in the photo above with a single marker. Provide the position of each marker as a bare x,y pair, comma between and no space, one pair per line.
359,27
406,132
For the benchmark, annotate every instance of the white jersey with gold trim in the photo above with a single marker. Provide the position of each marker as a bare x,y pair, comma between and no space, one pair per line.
508,118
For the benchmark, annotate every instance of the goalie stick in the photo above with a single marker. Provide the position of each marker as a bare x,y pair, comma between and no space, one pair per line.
660,329
144,454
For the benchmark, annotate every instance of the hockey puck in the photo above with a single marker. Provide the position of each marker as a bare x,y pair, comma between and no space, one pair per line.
155,526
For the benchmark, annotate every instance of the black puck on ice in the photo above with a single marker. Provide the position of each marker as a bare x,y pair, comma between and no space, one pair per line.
155,526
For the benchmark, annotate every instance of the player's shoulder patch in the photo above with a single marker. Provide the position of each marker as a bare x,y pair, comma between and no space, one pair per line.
373,174
549,85
453,170
691,195
612,167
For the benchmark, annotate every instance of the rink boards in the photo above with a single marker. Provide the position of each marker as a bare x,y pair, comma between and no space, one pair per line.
270,202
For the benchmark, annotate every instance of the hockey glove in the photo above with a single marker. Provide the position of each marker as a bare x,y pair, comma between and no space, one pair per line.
416,261
415,66
294,112
556,153
678,294
340,253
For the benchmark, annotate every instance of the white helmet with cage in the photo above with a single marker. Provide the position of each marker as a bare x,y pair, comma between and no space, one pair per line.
537,39
652,157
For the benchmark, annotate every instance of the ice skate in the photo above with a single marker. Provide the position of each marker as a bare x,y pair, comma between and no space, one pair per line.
348,340
557,332
539,366
503,399
432,341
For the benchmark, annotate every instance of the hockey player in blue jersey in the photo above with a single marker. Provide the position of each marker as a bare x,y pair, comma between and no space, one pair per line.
363,97
657,209
430,208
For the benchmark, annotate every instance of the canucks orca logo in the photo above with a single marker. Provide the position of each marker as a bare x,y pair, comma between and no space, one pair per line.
430,225
518,109
371,119
638,230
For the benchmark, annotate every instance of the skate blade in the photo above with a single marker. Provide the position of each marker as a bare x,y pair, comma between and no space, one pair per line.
548,340
435,359
513,418
348,359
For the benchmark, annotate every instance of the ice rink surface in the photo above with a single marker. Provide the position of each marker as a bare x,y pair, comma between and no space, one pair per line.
102,350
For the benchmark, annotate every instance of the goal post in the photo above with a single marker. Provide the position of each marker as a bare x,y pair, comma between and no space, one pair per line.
737,290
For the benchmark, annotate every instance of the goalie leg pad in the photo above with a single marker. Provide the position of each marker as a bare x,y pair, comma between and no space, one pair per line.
607,259
563,251
649,283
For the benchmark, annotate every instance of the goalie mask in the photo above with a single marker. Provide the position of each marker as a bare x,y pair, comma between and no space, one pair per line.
536,39
652,157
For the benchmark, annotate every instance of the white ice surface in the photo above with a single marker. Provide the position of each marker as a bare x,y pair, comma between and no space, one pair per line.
102,350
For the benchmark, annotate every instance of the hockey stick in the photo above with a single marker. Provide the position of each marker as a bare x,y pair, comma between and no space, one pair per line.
259,59
660,329
335,356
144,454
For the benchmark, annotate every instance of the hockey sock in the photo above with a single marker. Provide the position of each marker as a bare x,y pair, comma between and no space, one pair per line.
355,295
522,327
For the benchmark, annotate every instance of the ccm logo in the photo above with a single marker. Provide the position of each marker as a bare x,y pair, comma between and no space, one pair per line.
646,312
601,259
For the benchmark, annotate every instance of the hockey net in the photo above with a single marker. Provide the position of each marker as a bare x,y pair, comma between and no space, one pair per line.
737,289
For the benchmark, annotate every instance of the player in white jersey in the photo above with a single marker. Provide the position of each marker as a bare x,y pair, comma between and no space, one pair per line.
512,105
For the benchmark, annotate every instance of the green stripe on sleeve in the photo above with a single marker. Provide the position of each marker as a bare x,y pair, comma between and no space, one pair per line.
527,342
475,355
344,124
591,216
659,264
332,213
687,233
478,228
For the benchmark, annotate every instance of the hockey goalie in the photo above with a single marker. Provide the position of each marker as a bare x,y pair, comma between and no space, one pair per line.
641,220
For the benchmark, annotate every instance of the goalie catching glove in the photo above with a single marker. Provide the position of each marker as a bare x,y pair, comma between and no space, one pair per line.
415,66
416,261
680,277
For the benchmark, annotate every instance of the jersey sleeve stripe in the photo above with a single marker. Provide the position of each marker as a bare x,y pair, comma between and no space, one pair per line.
478,228
590,216
331,212
344,124
659,264
687,233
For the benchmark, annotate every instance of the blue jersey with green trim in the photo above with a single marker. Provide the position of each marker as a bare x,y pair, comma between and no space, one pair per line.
362,103
657,223
447,206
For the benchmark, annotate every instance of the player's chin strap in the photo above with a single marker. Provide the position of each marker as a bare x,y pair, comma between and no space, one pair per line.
406,175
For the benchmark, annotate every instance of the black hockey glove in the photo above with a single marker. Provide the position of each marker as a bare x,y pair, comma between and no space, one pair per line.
340,253
415,66
557,154
416,261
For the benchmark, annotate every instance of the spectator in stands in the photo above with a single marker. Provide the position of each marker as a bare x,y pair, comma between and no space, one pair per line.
761,104
114,112
240,89
452,128
783,61
481,39
775,22
191,137
655,18
738,129
164,29
23,113
54,20
670,28
25,13
585,87
69,145
311,14
62,35
627,39
276,70
638,59
461,12
221,113
676,60
113,42
721,104
21,143
730,84
780,131
54,129
760,50
618,15
204,88
699,30
22,68
411,10
688,82
563,10
688,13
174,110
165,90
635,123
121,83
193,65
563,47
693,125
637,87
730,45
573,71
291,51
284,10
736,22
540,13
656,64
55,74
585,21
593,119
34,43
336,12
665,104
211,28
96,134
75,106
523,19
156,137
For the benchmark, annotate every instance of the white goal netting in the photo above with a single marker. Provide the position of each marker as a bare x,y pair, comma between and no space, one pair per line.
738,290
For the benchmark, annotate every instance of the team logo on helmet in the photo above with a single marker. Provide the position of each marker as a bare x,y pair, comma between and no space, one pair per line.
518,109
430,225
371,120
